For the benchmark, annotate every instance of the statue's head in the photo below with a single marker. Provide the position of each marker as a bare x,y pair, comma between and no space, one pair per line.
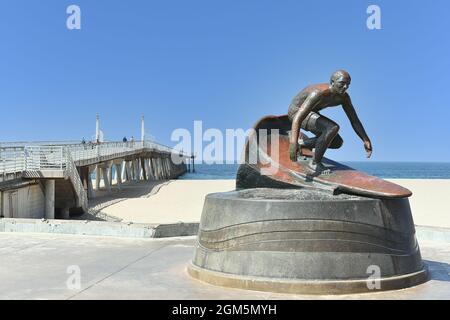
340,81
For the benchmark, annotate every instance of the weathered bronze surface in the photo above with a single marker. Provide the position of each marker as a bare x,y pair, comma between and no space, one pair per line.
284,173
304,114
306,241
297,161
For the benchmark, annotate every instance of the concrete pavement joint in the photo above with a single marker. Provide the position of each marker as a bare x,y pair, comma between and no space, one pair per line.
117,271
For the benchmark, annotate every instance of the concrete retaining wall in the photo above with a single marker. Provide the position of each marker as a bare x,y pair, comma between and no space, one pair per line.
98,228
141,230
433,234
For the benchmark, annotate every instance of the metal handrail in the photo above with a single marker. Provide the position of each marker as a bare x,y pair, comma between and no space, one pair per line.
52,157
12,160
41,158
16,144
72,173
21,144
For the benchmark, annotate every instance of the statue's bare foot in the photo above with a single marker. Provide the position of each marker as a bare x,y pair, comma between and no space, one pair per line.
319,168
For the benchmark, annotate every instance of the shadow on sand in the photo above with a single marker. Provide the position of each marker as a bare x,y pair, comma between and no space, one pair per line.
129,190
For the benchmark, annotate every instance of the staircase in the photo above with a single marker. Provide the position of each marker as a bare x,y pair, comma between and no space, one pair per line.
71,174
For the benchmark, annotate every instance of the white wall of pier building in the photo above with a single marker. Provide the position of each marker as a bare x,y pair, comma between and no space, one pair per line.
25,202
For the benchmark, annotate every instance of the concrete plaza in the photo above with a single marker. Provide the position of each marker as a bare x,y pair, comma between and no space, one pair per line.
40,266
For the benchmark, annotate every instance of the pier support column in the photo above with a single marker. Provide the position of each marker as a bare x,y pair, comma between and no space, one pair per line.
163,171
118,165
158,168
105,178
110,174
83,172
166,168
98,177
137,172
144,169
123,171
152,164
90,187
132,170
169,168
109,167
152,168
127,170
141,169
49,199
149,169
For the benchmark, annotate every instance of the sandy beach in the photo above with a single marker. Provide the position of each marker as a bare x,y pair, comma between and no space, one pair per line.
159,201
430,202
182,201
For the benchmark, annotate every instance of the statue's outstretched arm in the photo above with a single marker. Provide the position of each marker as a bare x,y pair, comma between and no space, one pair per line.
354,120
356,124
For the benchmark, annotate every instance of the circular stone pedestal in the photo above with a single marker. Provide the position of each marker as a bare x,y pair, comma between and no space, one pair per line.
306,241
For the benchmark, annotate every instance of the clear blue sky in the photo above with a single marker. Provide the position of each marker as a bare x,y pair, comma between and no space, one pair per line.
227,63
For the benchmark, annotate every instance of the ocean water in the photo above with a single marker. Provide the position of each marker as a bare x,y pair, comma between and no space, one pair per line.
387,170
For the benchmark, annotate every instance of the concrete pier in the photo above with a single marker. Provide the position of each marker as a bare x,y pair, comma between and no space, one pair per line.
48,180
66,175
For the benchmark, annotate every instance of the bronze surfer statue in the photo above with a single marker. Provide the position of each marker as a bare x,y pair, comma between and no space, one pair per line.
304,114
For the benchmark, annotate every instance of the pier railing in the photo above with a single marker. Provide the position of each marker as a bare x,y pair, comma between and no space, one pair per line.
72,173
42,158
14,159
